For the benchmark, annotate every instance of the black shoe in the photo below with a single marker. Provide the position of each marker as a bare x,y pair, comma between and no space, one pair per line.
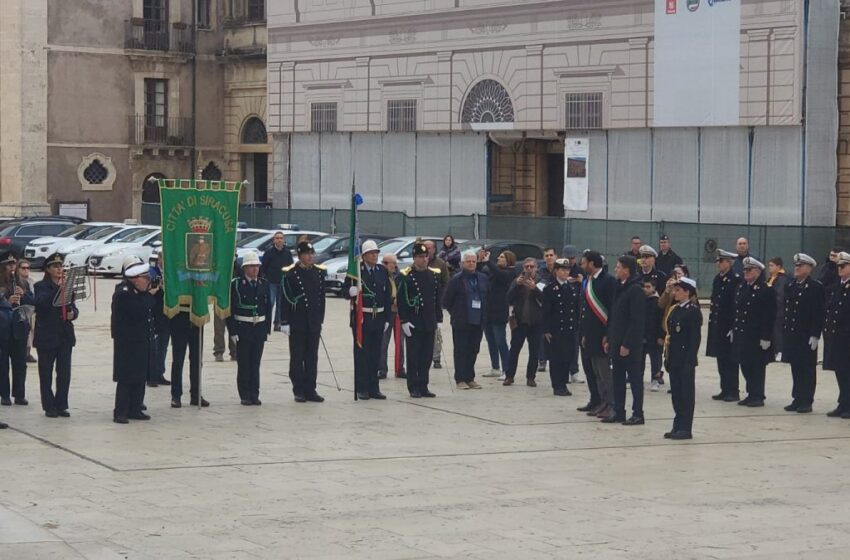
586,408
804,409
204,403
163,381
316,397
175,403
561,392
415,395
379,396
219,358
744,402
668,435
681,435
120,420
6,401
256,401
144,406
634,421
382,375
755,403
835,413
51,414
277,328
64,413
246,402
152,384
541,366
3,426
791,407
428,394
22,402
718,397
613,419
402,375
300,398
732,397
437,364
362,396
140,416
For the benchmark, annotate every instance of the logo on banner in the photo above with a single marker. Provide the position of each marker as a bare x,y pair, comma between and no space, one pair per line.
671,7
693,5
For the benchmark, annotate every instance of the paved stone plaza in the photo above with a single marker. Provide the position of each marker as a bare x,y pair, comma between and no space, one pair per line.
511,473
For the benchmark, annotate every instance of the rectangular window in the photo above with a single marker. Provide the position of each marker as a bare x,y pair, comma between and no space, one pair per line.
156,109
256,10
204,12
401,115
323,117
584,110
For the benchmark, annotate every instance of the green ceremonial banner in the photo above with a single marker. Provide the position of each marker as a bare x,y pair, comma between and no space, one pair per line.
198,245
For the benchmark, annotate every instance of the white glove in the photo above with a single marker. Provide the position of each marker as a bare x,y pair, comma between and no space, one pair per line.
765,344
730,335
386,326
407,328
235,338
353,291
813,342
284,329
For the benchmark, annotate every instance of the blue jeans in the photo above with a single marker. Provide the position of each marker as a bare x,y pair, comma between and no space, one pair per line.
274,299
497,343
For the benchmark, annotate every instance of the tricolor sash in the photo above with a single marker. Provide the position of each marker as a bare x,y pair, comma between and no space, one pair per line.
595,304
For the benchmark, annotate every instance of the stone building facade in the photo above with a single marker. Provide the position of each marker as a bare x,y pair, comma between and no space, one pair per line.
98,96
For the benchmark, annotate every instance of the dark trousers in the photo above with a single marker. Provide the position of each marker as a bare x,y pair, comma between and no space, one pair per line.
754,370
542,355
803,372
14,351
842,376
129,398
184,336
727,367
367,360
590,376
518,337
467,344
158,371
393,333
574,361
420,352
560,350
61,358
497,344
683,394
249,353
629,370
654,351
303,362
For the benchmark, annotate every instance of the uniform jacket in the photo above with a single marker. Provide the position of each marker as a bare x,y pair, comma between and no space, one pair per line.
420,297
591,327
133,328
627,318
251,302
303,306
721,317
21,314
657,277
755,310
52,331
836,330
456,298
497,300
684,325
377,294
804,314
274,262
561,307
665,262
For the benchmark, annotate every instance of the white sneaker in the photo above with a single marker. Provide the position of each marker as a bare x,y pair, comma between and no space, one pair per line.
577,378
493,373
655,387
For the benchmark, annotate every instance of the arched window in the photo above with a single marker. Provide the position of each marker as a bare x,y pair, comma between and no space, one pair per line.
254,132
487,102
150,188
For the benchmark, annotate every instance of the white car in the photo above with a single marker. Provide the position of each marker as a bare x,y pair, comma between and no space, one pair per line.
39,249
260,242
109,258
79,251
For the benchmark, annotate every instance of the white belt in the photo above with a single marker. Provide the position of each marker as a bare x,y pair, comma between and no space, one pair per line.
373,310
254,320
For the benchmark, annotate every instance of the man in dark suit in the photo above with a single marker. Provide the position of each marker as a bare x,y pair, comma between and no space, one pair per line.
625,342
667,258
596,301
755,309
721,322
377,311
466,299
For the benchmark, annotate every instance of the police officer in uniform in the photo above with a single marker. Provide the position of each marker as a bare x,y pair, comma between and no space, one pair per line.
134,340
377,311
836,336
804,311
648,270
561,300
302,315
755,310
54,337
249,325
721,322
684,324
419,310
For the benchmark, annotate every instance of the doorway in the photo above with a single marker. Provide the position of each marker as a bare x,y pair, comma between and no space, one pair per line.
555,184
256,167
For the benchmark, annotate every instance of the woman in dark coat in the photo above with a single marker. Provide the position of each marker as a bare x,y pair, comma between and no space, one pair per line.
501,274
450,253
777,280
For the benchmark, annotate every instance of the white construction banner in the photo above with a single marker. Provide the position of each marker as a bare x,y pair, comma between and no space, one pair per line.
697,62
576,159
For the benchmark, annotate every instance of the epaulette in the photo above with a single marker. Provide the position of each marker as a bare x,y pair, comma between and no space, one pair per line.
406,271
435,270
288,268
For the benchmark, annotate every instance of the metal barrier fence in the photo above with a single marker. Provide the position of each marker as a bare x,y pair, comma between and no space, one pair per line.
695,243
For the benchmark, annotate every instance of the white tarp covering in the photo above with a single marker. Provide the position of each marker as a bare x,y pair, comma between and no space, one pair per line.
576,173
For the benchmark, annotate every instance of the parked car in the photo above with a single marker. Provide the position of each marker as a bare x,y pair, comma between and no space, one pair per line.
246,232
79,251
522,249
331,246
260,242
38,249
15,236
108,259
